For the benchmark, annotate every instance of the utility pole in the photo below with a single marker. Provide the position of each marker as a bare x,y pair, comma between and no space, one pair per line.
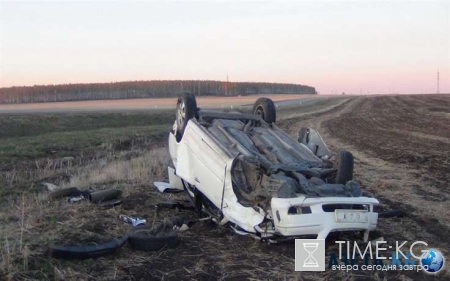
438,81
226,87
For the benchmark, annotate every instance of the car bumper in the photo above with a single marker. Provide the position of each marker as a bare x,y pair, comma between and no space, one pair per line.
323,219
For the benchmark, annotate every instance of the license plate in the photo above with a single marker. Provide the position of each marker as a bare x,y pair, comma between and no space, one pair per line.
350,216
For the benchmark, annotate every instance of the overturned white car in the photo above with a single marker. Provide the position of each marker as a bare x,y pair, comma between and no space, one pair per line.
243,170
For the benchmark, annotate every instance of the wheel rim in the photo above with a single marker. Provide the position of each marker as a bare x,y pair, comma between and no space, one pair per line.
181,114
260,111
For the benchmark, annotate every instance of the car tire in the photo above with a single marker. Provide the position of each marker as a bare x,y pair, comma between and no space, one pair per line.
104,195
344,166
186,110
141,239
66,192
266,109
86,252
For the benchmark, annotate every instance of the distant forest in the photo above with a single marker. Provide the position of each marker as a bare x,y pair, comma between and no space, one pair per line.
143,89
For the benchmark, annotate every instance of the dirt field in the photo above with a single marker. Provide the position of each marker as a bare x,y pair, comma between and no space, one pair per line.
140,104
401,146
402,150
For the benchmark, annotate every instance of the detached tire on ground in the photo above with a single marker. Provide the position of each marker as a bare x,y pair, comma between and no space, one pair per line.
266,109
186,110
344,166
146,238
66,192
86,252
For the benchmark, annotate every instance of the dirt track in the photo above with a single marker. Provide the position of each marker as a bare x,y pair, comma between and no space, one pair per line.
401,146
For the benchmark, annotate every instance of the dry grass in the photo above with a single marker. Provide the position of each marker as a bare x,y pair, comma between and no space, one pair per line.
30,221
135,171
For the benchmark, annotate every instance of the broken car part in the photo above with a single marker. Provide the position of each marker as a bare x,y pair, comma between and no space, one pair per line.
66,192
86,252
174,180
75,199
166,187
147,238
133,221
110,203
104,195
49,186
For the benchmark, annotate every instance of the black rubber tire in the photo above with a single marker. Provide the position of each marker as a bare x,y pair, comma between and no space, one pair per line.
189,110
104,195
266,109
86,252
139,239
344,166
66,192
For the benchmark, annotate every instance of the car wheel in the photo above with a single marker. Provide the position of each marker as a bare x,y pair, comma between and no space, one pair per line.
66,192
265,108
344,165
186,110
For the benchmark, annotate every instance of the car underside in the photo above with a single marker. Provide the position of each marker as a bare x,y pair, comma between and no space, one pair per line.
244,171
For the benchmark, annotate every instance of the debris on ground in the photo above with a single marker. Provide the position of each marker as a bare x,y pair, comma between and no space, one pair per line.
133,221
166,187
147,238
104,195
86,252
110,203
50,186
103,198
66,192
75,199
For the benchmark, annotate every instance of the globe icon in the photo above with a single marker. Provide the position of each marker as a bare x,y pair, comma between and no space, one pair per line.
433,260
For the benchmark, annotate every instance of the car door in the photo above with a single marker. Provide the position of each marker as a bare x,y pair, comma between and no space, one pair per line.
201,163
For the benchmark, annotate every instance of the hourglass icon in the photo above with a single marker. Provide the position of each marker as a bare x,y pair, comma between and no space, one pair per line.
310,260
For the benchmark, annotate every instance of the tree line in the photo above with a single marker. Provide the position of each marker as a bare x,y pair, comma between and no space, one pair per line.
143,89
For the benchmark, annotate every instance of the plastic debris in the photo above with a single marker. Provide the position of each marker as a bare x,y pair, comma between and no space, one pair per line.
133,221
50,186
75,199
184,227
165,187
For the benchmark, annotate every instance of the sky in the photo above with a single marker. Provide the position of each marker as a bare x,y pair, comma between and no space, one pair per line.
352,47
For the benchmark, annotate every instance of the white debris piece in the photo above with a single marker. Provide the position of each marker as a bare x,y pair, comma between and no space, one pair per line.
165,187
50,186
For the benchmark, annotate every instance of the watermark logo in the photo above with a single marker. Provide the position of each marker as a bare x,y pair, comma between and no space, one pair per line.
432,261
309,254
375,255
